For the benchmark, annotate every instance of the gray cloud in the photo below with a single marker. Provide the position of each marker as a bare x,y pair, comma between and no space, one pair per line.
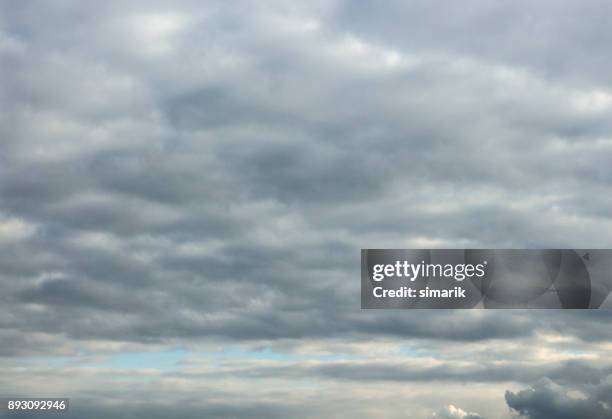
473,371
547,400
556,42
200,176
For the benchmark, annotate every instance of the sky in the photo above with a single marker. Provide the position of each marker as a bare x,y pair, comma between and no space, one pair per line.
185,188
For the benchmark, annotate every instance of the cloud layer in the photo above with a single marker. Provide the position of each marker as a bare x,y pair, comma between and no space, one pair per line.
197,177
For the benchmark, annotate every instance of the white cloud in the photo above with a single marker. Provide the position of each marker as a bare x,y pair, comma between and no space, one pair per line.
453,412
13,229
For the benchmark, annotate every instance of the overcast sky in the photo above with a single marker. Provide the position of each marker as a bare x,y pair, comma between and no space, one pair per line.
185,187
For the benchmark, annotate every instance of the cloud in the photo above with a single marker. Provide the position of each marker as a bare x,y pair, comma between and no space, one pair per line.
203,177
452,412
547,400
493,33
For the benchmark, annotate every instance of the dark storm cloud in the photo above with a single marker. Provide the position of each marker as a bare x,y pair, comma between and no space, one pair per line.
548,400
